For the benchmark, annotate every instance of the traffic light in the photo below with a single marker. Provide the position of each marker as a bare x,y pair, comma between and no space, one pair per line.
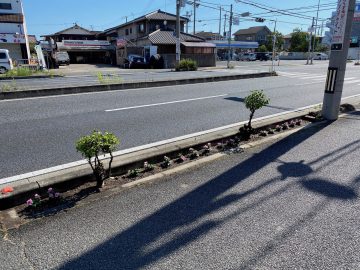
259,19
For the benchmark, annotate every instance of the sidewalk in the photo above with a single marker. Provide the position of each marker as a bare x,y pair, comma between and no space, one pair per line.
292,204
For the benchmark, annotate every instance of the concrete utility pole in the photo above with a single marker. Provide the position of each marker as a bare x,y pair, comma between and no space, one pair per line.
194,17
274,49
310,40
316,27
220,22
337,64
177,32
225,25
187,23
229,38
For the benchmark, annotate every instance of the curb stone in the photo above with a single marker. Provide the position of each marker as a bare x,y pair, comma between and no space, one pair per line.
123,86
129,159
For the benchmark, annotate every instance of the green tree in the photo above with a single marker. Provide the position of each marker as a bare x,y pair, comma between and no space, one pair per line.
255,101
278,43
94,145
299,41
262,48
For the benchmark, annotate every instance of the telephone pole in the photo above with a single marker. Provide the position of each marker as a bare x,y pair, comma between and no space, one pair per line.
225,25
229,38
177,32
274,49
316,26
194,17
337,64
220,22
310,40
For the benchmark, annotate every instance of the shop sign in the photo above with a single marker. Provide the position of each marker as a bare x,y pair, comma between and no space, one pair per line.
12,38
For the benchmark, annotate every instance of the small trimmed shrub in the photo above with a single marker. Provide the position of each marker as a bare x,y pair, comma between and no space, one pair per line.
255,101
181,158
148,167
94,145
133,173
193,154
186,65
166,162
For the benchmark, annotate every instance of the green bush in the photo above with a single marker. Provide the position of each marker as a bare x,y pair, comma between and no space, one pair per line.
256,100
19,72
186,65
93,145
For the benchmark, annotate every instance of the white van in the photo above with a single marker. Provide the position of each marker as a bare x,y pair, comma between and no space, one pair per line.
5,61
62,58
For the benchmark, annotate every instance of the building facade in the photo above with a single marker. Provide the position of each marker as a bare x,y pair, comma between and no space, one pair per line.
82,45
258,34
13,31
154,33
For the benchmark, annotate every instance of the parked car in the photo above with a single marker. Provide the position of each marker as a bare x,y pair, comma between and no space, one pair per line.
262,56
62,58
247,57
5,61
321,56
135,61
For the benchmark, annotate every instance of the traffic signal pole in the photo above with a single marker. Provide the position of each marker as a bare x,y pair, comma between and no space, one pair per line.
337,64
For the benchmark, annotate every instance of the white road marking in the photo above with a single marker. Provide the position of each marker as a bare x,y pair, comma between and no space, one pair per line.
164,103
312,77
352,81
348,79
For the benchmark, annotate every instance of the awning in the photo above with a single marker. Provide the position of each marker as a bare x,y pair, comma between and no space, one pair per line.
198,44
236,44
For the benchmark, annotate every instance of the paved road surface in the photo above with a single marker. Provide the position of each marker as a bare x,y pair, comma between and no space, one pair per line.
290,205
40,133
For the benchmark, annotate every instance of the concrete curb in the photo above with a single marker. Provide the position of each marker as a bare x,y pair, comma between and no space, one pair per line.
29,77
73,174
123,86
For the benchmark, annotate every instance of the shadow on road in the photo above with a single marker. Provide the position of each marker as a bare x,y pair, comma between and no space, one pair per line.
242,100
131,248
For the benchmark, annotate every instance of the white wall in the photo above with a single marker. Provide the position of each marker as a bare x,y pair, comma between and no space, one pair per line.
15,5
11,28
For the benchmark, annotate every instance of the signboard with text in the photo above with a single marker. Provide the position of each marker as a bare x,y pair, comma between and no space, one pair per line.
12,38
339,25
84,44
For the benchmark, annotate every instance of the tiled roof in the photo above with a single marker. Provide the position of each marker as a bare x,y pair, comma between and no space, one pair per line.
156,15
251,30
167,37
159,15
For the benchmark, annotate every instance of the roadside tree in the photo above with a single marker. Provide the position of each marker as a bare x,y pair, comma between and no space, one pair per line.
94,145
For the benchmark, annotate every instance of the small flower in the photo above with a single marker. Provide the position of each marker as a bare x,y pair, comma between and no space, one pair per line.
29,202
57,195
37,196
50,190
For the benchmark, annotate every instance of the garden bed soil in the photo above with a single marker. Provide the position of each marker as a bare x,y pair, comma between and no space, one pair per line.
87,192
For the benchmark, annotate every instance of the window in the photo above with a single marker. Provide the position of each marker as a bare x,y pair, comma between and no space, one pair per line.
5,6
130,30
2,55
141,28
127,32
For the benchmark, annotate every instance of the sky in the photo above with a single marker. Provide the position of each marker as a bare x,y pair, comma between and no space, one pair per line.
43,18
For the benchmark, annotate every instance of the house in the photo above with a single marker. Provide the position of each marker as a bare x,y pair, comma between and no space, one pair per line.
210,35
154,33
82,45
258,34
13,31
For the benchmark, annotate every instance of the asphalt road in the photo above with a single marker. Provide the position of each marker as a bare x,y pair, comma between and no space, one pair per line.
84,75
41,132
293,204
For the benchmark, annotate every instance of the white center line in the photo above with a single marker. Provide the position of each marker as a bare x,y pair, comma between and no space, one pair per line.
164,103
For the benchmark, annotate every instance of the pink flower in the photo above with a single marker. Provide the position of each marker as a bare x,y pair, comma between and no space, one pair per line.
50,190
29,202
